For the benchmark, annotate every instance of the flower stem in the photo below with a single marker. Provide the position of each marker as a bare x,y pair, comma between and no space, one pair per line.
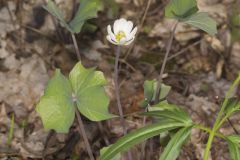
76,46
169,46
84,135
117,94
218,120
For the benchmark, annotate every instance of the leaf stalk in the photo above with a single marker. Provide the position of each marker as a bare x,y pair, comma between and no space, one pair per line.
169,46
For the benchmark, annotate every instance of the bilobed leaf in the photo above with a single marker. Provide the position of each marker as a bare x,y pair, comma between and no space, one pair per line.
88,86
180,9
173,148
88,9
165,89
233,145
56,107
202,21
55,11
138,136
150,91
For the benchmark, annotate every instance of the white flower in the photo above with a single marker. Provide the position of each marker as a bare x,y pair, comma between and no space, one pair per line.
123,32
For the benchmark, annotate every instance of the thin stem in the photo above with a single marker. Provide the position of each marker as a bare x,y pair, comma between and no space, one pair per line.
84,135
222,121
117,94
159,83
76,47
183,51
216,124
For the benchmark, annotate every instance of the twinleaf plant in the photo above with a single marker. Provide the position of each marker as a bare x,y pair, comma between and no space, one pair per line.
84,88
87,10
186,11
150,87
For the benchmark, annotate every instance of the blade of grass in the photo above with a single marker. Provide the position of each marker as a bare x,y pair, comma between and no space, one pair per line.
11,131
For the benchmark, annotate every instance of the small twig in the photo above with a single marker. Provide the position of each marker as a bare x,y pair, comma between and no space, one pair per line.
76,46
159,82
117,93
39,32
139,26
232,125
184,50
84,135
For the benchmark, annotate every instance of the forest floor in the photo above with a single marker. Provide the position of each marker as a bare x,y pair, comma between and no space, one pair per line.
32,45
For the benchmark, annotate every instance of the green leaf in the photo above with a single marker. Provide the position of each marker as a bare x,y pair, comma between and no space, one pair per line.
56,107
171,112
113,8
88,86
233,145
165,89
88,9
173,148
103,150
55,11
150,91
138,136
180,9
202,21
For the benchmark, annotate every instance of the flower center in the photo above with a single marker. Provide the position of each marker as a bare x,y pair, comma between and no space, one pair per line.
120,35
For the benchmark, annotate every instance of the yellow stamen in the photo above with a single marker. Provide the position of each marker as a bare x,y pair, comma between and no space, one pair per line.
120,35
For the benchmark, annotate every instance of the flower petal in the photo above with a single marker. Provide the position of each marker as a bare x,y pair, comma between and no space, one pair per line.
110,40
110,32
128,27
133,33
129,42
118,25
